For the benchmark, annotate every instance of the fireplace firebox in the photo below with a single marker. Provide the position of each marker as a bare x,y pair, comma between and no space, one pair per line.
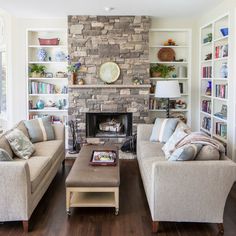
108,125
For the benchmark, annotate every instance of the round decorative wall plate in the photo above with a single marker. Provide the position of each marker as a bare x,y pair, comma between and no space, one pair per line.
109,72
166,54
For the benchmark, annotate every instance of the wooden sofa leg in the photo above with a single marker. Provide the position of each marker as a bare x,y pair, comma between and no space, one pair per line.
25,224
155,226
221,228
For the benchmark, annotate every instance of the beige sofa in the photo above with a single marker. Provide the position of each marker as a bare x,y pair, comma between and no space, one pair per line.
24,182
187,191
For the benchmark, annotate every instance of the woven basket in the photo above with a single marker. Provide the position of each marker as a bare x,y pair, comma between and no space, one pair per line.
54,41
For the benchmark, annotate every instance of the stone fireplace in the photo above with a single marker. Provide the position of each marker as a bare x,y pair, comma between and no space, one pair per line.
124,40
108,124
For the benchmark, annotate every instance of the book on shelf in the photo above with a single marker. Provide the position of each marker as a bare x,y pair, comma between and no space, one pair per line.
221,129
206,123
221,51
221,90
207,72
41,88
206,106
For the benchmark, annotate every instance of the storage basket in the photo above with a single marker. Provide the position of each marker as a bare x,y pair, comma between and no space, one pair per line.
53,41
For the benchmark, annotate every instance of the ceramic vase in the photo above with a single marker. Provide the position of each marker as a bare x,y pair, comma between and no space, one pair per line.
42,54
40,104
74,78
224,71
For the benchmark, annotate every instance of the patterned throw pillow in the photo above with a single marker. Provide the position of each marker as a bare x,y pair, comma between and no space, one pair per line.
4,156
169,146
40,129
20,144
185,153
163,129
208,153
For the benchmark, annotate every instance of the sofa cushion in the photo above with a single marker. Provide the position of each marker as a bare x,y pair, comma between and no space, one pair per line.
186,153
40,129
38,167
20,144
4,156
169,146
4,144
208,153
51,149
22,128
163,129
183,126
151,149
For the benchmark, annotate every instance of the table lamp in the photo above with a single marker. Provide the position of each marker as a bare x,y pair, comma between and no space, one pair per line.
167,89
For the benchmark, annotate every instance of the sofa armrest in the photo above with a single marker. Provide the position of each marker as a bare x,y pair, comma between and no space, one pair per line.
15,191
194,191
59,130
143,134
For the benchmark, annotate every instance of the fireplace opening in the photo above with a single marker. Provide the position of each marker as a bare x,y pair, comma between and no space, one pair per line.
108,125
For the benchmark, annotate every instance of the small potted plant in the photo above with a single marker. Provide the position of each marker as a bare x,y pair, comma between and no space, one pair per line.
160,70
37,71
73,69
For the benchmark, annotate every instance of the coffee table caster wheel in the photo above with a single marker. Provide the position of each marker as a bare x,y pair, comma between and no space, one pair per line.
68,212
117,211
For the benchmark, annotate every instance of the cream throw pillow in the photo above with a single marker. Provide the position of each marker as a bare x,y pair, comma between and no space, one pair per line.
20,144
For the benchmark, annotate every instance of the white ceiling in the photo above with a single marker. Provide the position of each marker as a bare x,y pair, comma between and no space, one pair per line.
62,8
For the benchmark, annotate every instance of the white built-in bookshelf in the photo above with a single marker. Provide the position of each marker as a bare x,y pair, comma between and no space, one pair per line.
182,49
55,98
51,87
215,79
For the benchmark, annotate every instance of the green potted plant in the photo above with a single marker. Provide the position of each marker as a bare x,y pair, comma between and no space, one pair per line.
160,70
37,71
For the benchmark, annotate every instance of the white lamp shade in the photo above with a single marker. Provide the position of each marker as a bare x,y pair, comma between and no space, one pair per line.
167,89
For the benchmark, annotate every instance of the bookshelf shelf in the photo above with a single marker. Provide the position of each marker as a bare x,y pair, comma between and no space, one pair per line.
48,62
218,127
181,73
48,46
47,110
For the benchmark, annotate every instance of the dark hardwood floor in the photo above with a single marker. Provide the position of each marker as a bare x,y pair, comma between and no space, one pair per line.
50,217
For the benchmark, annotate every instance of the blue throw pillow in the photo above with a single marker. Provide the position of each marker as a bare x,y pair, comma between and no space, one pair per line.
163,129
40,129
186,153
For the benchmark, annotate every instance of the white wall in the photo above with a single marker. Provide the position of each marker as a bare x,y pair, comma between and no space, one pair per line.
19,90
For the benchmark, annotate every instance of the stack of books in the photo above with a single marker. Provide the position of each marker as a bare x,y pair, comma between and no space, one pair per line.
206,123
221,90
207,72
221,129
221,51
206,106
41,88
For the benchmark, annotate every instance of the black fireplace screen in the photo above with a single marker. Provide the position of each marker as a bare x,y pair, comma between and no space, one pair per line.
108,125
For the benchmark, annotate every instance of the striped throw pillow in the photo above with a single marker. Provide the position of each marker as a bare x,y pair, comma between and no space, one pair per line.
40,129
163,129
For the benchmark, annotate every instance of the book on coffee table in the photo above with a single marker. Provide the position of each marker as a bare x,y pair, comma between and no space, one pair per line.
103,158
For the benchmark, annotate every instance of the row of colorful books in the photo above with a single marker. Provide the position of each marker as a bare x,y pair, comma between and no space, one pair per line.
221,129
206,123
43,88
206,106
221,51
221,90
207,72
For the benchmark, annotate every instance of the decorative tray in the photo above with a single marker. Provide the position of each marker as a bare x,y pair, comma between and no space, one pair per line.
103,158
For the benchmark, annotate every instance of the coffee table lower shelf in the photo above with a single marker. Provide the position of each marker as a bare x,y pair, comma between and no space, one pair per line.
92,197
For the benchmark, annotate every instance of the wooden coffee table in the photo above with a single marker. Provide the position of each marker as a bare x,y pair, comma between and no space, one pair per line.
93,186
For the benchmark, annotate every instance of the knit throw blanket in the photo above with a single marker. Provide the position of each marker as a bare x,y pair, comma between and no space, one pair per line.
201,138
